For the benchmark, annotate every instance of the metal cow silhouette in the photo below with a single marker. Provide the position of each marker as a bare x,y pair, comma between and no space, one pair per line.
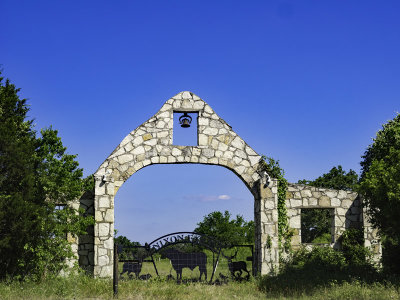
236,266
180,260
132,267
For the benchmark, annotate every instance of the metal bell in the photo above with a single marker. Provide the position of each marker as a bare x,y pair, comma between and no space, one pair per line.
185,120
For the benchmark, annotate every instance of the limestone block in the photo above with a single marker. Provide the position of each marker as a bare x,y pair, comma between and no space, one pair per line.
216,124
240,170
213,161
104,229
342,194
203,160
254,160
214,144
296,202
241,154
238,143
109,243
203,140
245,163
312,202
109,215
106,271
176,152
138,150
228,155
208,109
160,124
316,194
128,147
331,194
237,160
198,104
125,158
346,203
294,222
222,147
306,193
118,152
269,204
250,151
210,131
207,153
335,202
341,211
324,201
171,159
127,139
104,201
137,141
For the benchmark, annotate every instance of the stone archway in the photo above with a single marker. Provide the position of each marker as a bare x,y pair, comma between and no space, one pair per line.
152,143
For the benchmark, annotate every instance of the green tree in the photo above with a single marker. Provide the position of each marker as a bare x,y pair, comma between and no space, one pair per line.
36,174
380,186
18,207
336,179
226,230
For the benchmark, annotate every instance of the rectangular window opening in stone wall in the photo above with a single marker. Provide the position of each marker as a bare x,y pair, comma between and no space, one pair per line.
317,225
185,136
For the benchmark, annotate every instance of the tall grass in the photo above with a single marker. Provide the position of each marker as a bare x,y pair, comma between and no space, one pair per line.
85,287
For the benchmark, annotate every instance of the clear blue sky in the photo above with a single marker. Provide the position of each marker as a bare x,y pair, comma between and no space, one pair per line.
306,82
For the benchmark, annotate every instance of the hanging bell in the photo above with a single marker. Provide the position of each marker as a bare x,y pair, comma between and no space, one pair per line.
185,120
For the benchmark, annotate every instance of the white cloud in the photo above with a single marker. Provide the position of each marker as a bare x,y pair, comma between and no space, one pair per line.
207,198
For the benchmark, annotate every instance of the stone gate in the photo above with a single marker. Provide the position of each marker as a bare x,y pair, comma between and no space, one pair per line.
152,143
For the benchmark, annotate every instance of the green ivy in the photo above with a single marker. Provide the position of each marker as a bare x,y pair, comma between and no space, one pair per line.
273,169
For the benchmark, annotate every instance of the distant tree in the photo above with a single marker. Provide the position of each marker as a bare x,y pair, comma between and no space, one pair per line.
124,241
226,230
336,179
36,175
380,186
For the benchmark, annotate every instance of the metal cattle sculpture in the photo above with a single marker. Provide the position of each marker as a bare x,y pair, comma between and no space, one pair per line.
180,260
131,267
236,266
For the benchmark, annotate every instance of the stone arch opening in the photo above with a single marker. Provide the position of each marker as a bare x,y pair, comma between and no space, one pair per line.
152,143
160,199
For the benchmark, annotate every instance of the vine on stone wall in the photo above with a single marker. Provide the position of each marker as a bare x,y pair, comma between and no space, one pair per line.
273,169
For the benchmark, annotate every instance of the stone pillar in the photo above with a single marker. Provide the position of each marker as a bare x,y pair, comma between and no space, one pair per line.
104,227
267,248
371,238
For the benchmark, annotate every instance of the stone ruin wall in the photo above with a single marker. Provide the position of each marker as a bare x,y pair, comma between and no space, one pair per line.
152,143
347,213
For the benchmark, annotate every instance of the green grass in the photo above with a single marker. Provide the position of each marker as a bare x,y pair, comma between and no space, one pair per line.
84,287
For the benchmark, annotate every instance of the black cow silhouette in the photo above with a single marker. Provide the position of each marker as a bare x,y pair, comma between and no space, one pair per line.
132,267
236,266
180,260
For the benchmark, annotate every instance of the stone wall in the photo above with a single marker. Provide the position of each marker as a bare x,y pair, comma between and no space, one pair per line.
266,223
346,209
152,143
